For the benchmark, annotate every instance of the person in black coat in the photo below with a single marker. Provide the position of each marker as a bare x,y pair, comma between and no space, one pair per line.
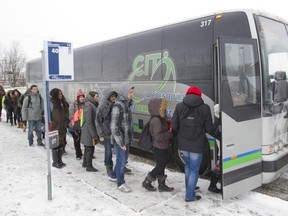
190,121
216,133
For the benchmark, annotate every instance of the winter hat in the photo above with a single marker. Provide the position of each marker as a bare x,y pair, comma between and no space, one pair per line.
194,90
80,93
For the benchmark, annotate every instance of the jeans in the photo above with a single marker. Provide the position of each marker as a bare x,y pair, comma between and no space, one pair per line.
108,152
192,165
121,158
37,126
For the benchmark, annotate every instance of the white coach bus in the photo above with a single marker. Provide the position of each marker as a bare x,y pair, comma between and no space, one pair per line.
232,56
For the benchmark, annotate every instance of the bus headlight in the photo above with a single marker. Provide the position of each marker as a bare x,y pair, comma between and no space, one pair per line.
268,149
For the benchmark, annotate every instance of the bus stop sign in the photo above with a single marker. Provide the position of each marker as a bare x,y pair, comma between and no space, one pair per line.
58,61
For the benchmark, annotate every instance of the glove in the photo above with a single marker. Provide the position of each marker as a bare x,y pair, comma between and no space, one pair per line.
101,139
216,110
94,141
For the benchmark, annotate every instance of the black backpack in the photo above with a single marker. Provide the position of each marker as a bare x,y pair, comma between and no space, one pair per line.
190,124
29,100
146,140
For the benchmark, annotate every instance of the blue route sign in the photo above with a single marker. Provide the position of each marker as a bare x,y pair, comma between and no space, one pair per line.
58,61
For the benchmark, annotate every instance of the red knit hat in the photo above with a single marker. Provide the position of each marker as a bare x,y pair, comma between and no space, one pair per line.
80,93
194,90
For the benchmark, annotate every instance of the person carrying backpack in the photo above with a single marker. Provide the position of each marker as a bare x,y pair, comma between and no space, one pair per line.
74,128
121,134
103,120
32,112
158,127
190,121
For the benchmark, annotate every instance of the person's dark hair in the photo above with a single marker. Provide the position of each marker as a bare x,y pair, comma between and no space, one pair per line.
16,90
93,93
32,86
54,93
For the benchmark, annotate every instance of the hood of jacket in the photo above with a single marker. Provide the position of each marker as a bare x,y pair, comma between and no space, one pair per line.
28,91
157,107
124,89
110,94
192,100
91,99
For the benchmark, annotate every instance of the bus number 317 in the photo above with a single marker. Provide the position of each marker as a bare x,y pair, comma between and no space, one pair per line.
205,23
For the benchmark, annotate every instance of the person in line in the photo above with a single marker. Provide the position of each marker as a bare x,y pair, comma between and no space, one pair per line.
2,94
20,105
121,134
4,107
75,130
9,106
89,137
191,138
161,144
216,133
103,121
32,111
17,110
59,108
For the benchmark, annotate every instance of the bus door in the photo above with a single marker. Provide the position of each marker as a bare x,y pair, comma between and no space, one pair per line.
240,112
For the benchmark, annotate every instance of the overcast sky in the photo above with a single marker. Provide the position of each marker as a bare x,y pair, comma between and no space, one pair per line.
31,22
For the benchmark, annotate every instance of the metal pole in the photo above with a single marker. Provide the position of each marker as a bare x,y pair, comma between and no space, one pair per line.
47,120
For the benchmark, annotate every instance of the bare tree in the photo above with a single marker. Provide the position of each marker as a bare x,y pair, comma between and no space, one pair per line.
12,64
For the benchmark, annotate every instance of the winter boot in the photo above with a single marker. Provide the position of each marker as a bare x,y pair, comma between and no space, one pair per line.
21,125
89,166
60,153
147,183
18,125
84,157
64,151
55,159
127,170
213,183
109,169
162,187
24,127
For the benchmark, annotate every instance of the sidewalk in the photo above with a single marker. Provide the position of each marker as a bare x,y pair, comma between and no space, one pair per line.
23,185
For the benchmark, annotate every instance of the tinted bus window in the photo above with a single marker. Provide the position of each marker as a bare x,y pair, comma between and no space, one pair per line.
144,54
190,46
115,60
92,56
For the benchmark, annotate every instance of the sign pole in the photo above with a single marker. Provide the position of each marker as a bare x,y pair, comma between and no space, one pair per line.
57,65
47,119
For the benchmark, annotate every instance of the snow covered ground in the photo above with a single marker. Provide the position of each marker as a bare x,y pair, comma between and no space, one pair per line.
23,186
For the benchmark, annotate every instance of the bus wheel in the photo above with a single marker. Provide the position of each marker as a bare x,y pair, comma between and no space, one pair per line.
179,162
177,157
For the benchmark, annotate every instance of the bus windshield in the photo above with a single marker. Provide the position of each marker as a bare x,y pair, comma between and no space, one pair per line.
273,40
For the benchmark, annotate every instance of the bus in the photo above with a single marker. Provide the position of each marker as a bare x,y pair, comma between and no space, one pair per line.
232,56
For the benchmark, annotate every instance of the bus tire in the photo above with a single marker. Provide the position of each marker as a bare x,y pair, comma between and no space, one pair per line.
177,157
179,162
